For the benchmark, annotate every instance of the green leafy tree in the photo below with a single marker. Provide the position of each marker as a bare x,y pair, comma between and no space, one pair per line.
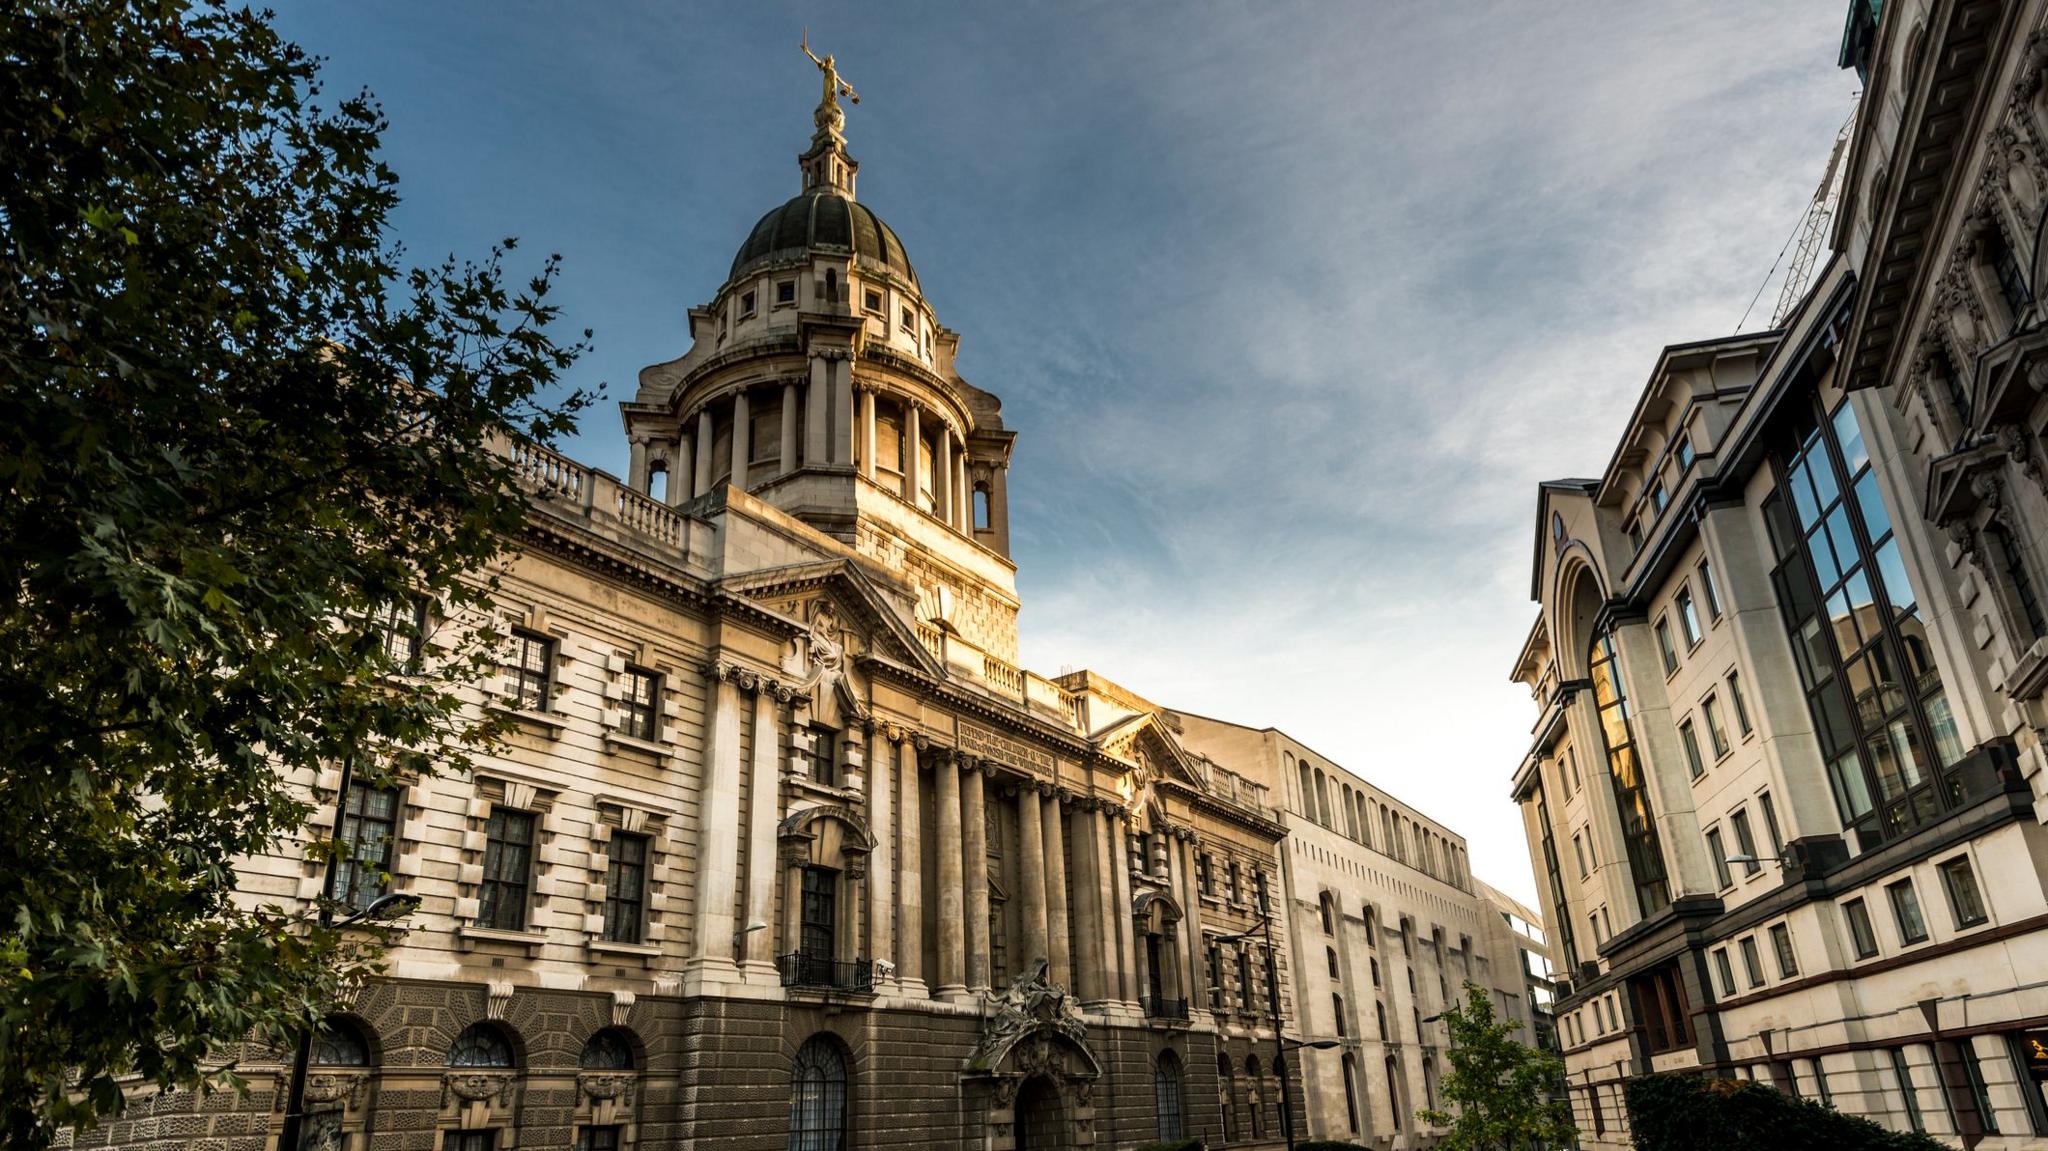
235,440
1499,1087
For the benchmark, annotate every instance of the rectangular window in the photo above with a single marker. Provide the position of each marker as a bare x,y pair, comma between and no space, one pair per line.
1635,536
625,888
1664,647
746,304
1579,848
1770,811
1752,963
403,626
1861,935
2017,1048
872,300
1216,977
1781,944
1965,902
599,1139
508,869
785,292
908,319
1684,452
2012,281
1706,570
1744,842
1658,498
824,766
369,824
818,915
1691,740
1205,870
1688,618
1717,734
1906,912
1718,852
1724,972
469,1141
532,670
1980,1095
1742,723
642,705
1244,980
1906,1092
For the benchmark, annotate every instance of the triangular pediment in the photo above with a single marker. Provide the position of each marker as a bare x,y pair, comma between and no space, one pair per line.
1142,742
875,624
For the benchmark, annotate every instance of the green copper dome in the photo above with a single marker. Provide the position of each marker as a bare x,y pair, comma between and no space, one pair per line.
823,221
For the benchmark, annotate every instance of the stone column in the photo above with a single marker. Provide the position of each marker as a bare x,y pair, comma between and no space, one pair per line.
976,876
718,837
814,411
963,502
702,483
910,870
764,813
999,506
742,437
792,904
1087,943
1141,970
1031,877
842,411
952,973
1191,902
913,447
1126,946
682,478
636,463
1104,925
850,940
1059,963
942,477
867,432
882,864
788,450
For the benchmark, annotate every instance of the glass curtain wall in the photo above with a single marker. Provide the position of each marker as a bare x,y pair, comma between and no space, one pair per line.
1625,767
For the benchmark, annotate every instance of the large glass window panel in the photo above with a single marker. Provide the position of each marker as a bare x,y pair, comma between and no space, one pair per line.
1947,741
1842,538
1849,437
1876,520
1852,795
1802,495
1639,833
1891,573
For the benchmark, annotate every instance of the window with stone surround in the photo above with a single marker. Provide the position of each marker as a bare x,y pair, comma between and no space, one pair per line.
1752,962
1906,911
361,874
508,869
1688,618
625,888
817,1097
824,763
532,670
1965,901
1861,935
640,708
1738,821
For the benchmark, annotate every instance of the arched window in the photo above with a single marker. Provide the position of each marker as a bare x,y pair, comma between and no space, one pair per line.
480,1045
982,520
817,1097
889,445
1429,1082
1257,1097
1308,790
1638,822
1364,821
1351,1090
1349,817
1226,1092
831,285
608,1050
1394,1090
1166,1087
657,480
1372,931
1337,1009
1375,973
1380,1009
340,1044
1329,913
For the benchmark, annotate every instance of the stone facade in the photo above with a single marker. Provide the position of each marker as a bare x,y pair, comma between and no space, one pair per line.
1387,924
1785,795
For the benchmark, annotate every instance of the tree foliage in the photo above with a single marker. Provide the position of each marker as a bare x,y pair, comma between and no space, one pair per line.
1681,1111
233,434
1497,1089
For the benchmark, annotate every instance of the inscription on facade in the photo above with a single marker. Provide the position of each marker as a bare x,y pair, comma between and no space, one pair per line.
1001,748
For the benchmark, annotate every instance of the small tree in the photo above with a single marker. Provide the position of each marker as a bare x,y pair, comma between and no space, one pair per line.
1500,1088
238,448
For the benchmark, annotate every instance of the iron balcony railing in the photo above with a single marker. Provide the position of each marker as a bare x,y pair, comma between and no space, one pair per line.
821,971
1159,1008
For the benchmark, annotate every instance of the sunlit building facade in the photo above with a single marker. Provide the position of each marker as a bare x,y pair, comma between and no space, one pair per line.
1785,792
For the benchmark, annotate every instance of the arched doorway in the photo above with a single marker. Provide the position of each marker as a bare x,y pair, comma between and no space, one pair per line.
1039,1123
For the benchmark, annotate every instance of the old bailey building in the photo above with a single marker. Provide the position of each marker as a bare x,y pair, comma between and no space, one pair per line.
1786,788
787,850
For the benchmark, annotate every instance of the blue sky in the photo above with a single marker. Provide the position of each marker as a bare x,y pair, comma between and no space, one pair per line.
1290,305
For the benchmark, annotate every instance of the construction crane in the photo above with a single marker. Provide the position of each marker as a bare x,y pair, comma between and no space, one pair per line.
1806,239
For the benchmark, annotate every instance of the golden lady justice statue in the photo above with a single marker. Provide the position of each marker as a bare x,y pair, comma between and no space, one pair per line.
834,86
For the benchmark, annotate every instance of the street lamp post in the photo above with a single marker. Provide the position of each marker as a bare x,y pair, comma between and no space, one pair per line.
384,907
1281,1044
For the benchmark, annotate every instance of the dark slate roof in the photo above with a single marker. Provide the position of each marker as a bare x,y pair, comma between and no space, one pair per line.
826,221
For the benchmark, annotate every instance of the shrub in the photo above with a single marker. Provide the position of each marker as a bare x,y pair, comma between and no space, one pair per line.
1688,1112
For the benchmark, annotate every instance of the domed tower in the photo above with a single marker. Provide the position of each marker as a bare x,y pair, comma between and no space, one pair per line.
819,381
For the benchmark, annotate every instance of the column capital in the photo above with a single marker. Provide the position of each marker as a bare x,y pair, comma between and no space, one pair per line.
920,741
